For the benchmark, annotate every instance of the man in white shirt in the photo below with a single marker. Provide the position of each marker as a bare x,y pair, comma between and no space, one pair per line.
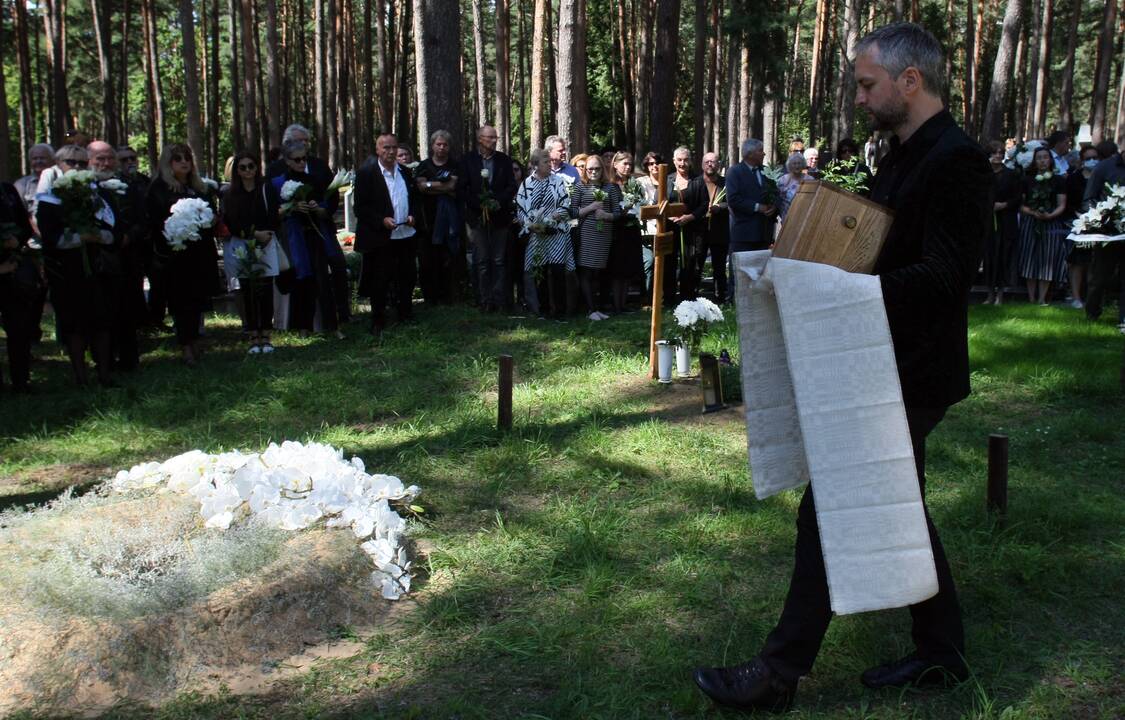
384,208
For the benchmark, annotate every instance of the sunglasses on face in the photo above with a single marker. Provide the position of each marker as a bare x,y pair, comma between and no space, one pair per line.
75,163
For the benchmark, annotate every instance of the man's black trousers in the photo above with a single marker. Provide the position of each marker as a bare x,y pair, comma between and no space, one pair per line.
791,647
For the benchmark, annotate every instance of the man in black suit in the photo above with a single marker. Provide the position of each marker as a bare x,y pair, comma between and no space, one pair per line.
487,173
751,218
384,233
937,181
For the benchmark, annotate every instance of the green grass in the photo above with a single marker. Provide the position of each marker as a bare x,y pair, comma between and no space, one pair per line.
581,565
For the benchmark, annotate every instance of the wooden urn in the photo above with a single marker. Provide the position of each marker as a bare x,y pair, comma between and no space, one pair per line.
832,226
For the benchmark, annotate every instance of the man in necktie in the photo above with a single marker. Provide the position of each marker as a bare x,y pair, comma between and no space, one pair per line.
751,218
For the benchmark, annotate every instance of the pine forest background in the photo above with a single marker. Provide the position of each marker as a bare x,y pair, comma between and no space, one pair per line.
629,74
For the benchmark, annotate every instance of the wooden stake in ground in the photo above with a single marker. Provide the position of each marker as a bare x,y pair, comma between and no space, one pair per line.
997,500
504,414
661,212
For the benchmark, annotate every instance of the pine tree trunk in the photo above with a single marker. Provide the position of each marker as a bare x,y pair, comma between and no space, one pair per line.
625,70
552,118
1039,121
331,83
698,81
249,77
710,117
1120,124
993,126
718,79
478,63
437,52
237,102
745,92
191,77
967,66
539,30
320,76
5,122
273,79
1027,127
1102,72
642,16
150,92
845,110
54,20
28,105
102,16
524,72
572,106
666,59
816,68
734,55
161,126
386,72
213,76
503,49
404,70
1066,94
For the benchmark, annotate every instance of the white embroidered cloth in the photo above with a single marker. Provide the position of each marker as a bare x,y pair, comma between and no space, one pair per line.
823,404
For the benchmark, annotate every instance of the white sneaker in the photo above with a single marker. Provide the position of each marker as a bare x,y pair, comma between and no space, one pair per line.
595,315
1077,304
254,350
601,315
267,348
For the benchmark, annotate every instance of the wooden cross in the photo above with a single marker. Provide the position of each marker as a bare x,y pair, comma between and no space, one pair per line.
662,245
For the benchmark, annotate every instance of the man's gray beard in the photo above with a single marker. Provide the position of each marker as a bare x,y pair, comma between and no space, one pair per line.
889,118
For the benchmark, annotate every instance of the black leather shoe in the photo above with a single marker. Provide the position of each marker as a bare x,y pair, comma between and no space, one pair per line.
750,686
914,671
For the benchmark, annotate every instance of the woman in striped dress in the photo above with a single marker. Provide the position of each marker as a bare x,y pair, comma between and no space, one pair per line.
543,211
1043,243
597,205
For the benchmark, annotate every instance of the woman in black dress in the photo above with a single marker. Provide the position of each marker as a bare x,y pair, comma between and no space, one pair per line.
82,276
250,212
625,259
1001,244
20,287
1043,243
191,275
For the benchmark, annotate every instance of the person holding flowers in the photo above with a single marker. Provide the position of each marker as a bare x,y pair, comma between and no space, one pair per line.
488,189
308,202
596,205
1043,243
707,201
543,204
187,264
624,264
77,224
250,212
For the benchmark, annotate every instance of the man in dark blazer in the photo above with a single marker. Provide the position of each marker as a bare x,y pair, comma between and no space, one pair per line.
487,168
384,234
938,182
710,228
751,218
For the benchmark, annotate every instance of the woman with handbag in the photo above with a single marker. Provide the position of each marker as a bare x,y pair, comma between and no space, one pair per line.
250,255
191,275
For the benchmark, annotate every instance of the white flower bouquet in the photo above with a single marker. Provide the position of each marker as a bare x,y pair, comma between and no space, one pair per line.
542,222
294,191
189,216
1103,222
694,317
114,185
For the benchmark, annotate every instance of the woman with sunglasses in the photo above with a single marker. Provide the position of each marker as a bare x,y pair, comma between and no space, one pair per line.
68,157
597,205
190,276
250,207
309,234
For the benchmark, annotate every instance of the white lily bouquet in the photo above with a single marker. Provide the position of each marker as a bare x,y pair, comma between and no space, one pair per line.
342,179
694,317
189,216
1103,222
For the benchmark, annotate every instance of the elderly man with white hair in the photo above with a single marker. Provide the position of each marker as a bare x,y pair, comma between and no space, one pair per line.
751,217
39,157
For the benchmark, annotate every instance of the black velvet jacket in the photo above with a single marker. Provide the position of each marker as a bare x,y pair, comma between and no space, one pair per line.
940,186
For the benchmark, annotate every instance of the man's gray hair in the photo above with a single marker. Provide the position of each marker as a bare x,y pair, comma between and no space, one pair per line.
41,146
441,134
292,130
70,152
902,45
538,155
291,147
796,161
552,140
751,145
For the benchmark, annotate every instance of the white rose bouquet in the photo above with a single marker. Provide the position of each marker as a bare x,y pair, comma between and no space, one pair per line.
694,317
189,216
114,185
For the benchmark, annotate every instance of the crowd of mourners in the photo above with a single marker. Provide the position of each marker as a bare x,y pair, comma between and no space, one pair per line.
557,237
